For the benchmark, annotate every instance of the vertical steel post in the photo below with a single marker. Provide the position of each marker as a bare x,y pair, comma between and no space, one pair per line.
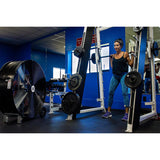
99,64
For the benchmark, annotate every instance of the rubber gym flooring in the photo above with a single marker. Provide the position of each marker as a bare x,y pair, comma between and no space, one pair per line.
85,123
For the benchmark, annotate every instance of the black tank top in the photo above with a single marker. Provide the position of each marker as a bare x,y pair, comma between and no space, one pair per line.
120,65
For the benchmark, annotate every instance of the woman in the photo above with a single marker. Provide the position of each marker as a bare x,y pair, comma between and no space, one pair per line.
119,63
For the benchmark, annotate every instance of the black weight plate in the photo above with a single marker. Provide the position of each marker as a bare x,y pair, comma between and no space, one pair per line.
70,103
74,82
133,79
78,52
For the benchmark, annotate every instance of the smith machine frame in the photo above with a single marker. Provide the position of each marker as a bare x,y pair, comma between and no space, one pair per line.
134,78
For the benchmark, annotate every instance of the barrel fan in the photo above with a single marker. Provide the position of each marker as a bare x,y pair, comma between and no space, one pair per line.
22,89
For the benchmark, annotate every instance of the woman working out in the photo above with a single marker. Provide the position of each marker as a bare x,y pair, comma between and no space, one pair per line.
119,63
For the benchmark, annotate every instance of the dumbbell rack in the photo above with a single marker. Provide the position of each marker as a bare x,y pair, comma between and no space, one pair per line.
56,92
134,118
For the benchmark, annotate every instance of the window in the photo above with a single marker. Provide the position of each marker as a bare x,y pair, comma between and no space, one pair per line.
105,57
75,64
62,72
58,72
92,67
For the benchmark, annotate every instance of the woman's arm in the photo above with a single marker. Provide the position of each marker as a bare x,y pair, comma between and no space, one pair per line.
111,59
130,61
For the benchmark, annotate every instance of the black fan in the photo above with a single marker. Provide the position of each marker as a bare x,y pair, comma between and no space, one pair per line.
22,88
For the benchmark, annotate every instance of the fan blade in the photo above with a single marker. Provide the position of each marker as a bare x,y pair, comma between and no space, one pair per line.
40,88
21,73
37,73
38,100
19,97
31,104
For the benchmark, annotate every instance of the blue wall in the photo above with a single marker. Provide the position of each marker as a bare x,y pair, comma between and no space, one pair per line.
14,53
47,61
71,35
23,52
91,87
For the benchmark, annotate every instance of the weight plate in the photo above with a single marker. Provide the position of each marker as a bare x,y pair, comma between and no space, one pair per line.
155,48
74,82
93,58
133,79
137,29
78,52
71,103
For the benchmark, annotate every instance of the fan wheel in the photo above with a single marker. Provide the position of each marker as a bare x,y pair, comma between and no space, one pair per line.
22,88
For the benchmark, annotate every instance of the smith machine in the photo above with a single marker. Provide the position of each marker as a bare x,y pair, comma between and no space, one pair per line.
71,102
134,78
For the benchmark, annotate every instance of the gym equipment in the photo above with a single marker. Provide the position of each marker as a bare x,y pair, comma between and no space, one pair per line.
74,82
136,93
93,58
132,53
133,79
56,88
79,51
155,48
134,117
81,69
71,103
137,29
22,89
56,84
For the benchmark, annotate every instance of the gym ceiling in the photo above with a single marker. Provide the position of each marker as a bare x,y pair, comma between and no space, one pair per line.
42,38
49,38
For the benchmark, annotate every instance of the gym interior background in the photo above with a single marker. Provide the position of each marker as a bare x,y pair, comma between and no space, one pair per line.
52,47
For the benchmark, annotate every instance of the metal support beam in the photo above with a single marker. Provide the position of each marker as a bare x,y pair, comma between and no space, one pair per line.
135,101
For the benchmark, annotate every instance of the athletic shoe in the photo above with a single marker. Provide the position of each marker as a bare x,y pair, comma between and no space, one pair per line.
107,115
125,117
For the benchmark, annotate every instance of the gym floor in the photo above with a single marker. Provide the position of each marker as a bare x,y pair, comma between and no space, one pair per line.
85,123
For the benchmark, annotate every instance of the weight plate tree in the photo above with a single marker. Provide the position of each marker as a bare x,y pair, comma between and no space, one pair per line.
77,81
22,89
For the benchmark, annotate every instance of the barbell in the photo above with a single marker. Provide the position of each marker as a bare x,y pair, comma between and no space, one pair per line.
93,57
